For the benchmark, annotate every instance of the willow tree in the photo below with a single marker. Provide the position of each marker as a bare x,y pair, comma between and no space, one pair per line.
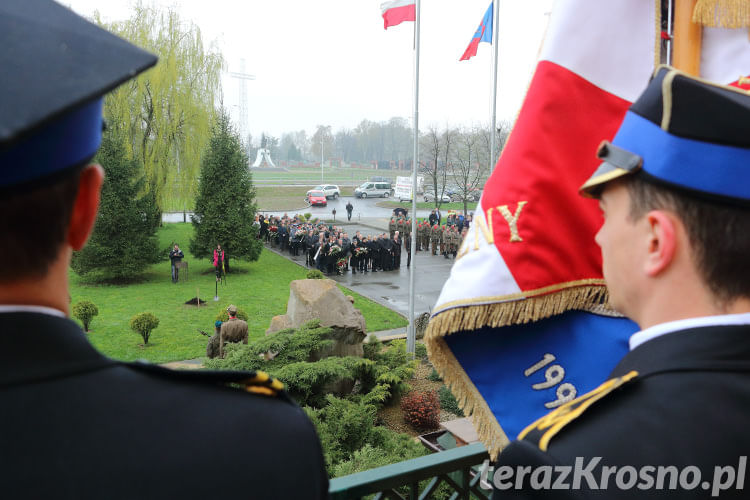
168,111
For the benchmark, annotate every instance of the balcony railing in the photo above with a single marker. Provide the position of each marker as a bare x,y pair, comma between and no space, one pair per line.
462,469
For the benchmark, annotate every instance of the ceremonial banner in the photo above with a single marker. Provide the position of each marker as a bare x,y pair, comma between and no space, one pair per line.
522,325
396,12
483,34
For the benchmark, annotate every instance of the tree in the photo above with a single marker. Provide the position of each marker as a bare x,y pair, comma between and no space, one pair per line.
225,205
124,242
437,149
468,167
85,311
322,142
143,324
168,110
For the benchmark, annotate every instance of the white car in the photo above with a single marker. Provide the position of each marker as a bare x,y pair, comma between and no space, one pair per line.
430,197
330,190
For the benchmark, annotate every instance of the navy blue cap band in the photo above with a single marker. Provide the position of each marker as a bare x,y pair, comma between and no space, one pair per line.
63,143
686,162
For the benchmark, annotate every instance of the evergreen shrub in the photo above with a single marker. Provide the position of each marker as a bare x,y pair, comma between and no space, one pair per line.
143,324
85,311
448,401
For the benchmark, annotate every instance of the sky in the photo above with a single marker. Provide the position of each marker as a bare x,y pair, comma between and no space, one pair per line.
330,62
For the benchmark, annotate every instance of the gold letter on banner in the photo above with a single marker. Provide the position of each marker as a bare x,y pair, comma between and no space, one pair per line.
512,220
486,231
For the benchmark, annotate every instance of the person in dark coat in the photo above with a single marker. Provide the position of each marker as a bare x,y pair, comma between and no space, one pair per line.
176,256
396,251
671,422
75,424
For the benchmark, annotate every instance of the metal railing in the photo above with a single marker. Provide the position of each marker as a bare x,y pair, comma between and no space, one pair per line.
461,469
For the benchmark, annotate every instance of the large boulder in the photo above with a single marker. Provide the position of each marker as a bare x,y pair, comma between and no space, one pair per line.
322,299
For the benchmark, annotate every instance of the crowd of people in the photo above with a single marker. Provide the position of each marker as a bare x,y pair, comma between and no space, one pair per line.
332,250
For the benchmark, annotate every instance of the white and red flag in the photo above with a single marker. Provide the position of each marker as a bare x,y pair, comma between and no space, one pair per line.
396,12
522,325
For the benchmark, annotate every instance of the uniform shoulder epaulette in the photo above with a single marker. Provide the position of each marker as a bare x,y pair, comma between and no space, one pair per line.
257,382
543,430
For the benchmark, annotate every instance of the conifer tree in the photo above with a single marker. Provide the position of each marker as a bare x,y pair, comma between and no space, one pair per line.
225,205
124,242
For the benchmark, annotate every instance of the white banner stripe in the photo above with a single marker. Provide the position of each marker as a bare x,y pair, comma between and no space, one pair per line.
725,54
609,43
479,273
395,3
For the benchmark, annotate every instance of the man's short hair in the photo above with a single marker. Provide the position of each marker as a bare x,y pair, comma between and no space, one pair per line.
719,234
34,225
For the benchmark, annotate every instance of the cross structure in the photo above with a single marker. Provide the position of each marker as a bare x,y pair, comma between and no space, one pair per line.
243,78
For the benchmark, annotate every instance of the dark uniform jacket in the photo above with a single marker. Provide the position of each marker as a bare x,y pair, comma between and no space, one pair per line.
75,424
681,399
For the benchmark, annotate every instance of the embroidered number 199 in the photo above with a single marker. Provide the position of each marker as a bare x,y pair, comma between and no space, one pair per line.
553,375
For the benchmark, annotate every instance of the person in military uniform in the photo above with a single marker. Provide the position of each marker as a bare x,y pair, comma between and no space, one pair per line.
392,226
436,235
75,424
674,189
232,330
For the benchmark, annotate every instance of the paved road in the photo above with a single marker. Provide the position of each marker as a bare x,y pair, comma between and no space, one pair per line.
391,288
363,210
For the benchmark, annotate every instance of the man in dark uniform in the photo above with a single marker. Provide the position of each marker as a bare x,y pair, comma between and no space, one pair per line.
674,190
75,424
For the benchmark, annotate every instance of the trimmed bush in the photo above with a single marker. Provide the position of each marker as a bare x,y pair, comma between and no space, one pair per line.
448,401
314,274
421,410
143,324
85,311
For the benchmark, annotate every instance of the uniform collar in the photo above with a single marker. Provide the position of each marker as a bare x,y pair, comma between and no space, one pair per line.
30,308
710,348
683,324
39,346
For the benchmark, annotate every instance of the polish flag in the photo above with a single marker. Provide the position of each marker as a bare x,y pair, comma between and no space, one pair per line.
520,326
396,12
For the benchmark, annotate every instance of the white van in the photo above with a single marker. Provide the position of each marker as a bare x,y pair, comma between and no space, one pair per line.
371,189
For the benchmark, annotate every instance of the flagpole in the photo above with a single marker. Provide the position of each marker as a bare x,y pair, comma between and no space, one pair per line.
411,334
686,51
495,44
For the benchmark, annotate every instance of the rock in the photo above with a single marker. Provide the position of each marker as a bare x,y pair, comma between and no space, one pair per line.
322,299
279,323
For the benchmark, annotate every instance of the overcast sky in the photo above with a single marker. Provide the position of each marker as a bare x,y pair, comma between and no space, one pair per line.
330,62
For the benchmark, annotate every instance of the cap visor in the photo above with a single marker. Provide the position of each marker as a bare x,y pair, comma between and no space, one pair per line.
606,172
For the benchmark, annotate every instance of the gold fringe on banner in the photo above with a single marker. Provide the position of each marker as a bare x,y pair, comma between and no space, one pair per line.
495,315
722,13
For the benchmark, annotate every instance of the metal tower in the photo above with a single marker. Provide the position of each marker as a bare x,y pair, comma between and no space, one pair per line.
243,78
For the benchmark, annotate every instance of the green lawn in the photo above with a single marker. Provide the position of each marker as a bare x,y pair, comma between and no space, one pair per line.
471,206
261,288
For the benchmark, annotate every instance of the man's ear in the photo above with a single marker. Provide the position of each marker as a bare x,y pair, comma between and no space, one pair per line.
662,244
86,206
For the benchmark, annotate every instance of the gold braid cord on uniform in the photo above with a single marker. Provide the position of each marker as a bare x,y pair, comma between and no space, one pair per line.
543,430
262,383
